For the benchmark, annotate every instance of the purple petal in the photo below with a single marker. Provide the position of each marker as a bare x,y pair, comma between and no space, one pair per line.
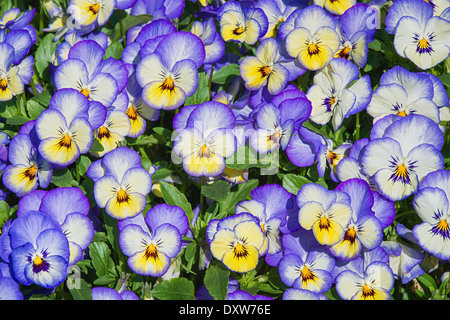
60,202
163,213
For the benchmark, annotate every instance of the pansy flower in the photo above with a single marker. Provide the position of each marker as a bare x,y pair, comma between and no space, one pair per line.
368,277
404,156
270,213
89,12
314,40
336,95
335,7
145,40
101,293
419,35
62,51
115,128
159,9
214,45
39,250
69,207
64,129
405,260
325,212
264,69
28,169
276,124
404,93
355,33
9,289
15,73
306,264
237,242
170,74
207,139
278,11
302,294
152,243
13,20
432,205
240,22
364,229
58,20
86,71
124,185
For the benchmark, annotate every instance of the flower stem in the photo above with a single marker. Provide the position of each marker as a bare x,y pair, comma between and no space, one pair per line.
210,80
19,112
358,127
122,30
202,198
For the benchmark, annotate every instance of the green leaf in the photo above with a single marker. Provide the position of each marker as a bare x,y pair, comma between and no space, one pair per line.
172,196
43,56
8,108
43,98
34,109
96,146
445,78
17,120
85,162
80,290
161,173
4,212
202,93
228,205
114,50
216,281
175,289
427,281
166,133
63,178
246,157
293,183
218,190
104,280
226,74
101,258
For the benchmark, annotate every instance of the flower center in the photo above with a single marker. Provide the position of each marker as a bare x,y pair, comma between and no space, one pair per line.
313,49
238,31
402,113
401,173
103,132
265,71
344,53
168,84
151,252
240,251
40,264
122,196
307,275
424,44
30,173
324,223
205,152
131,113
94,8
65,142
350,235
368,292
333,157
85,92
3,84
329,103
